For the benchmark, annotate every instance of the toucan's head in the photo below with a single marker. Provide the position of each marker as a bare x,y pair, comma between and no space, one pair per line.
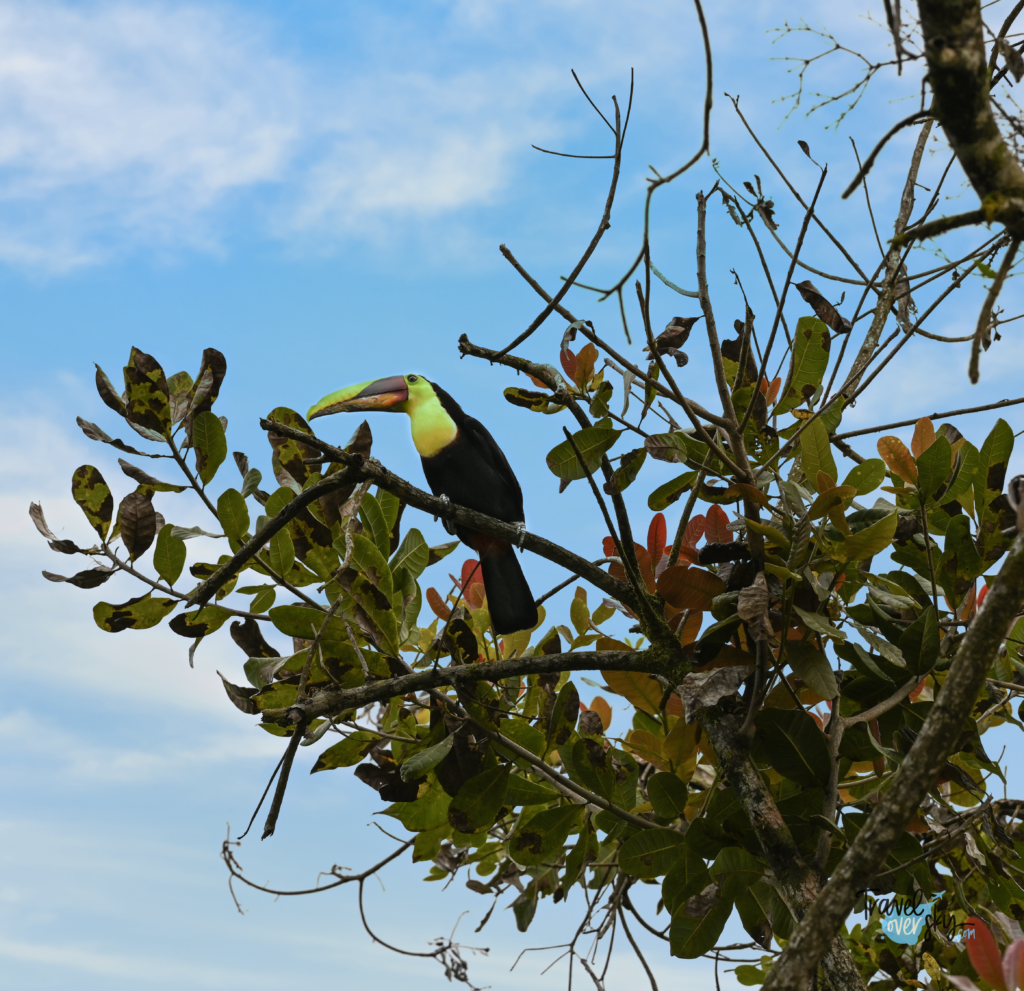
395,394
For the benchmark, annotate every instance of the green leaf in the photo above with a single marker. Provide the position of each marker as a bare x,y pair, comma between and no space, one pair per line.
592,442
564,714
651,852
735,862
794,745
148,398
91,492
412,554
169,554
667,794
687,878
968,463
994,456
934,466
370,560
625,474
664,495
282,552
350,751
210,445
919,644
816,453
691,937
870,541
287,461
807,366
135,614
811,666
251,482
543,835
200,622
479,800
867,476
375,524
820,624
418,764
427,812
523,791
537,402
232,513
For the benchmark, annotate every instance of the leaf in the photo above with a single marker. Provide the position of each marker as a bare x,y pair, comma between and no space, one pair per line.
829,500
93,432
692,936
794,745
689,588
282,552
807,365
137,520
91,493
651,852
523,791
919,644
984,953
375,524
823,309
664,495
703,689
143,478
592,442
200,622
871,540
350,751
811,666
537,402
412,554
233,514
900,461
820,624
188,532
816,453
564,714
91,578
169,554
479,800
136,614
624,476
667,794
716,526
418,764
251,482
148,403
994,457
210,445
934,466
641,689
924,436
867,476
543,835
108,393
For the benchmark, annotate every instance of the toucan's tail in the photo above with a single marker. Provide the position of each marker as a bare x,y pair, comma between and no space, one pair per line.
509,599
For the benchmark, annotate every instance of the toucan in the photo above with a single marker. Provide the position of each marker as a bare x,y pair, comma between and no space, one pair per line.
463,463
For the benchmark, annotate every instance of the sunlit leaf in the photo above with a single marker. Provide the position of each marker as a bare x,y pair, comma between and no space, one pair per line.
139,613
900,461
807,367
592,442
210,445
91,493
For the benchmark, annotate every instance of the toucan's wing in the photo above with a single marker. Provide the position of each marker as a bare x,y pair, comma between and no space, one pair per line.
479,436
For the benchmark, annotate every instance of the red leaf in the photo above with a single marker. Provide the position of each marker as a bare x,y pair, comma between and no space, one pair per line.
715,529
688,554
694,530
773,390
917,691
475,594
470,570
900,461
689,588
568,360
437,604
603,709
656,534
585,361
984,953
609,547
982,594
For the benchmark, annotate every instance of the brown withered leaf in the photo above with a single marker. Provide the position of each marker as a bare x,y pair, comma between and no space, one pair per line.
241,462
138,523
753,609
241,696
35,511
823,309
249,637
702,689
330,504
92,578
108,393
93,432
148,404
143,478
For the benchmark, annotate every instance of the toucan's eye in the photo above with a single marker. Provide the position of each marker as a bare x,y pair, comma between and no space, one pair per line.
414,378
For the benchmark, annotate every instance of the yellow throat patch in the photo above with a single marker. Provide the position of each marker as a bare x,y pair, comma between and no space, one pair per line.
432,428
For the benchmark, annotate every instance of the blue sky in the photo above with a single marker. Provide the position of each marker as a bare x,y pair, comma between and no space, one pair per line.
177,176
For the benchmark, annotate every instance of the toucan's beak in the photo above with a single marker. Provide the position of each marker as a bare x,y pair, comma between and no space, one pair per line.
382,394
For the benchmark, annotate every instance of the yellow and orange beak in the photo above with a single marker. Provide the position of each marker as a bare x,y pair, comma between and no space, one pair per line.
384,395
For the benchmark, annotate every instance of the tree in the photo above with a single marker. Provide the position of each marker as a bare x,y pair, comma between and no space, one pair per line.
811,675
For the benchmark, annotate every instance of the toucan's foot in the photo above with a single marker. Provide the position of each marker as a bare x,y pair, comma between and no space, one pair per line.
446,502
520,534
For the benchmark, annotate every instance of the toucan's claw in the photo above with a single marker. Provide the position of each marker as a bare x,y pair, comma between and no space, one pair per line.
520,534
446,502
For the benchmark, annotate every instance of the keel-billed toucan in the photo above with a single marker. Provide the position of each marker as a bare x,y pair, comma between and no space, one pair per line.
462,462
